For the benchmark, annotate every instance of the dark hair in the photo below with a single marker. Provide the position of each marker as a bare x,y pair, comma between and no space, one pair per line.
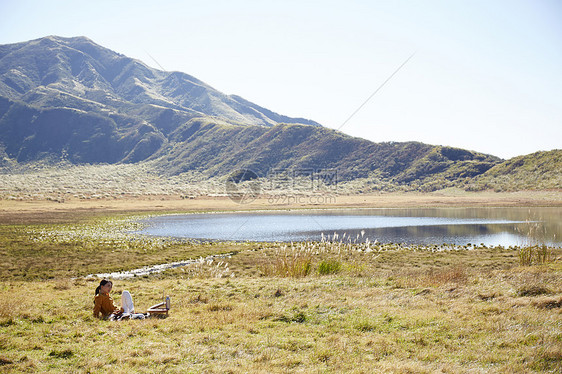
102,283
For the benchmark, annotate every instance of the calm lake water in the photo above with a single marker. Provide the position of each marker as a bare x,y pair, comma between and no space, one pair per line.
460,226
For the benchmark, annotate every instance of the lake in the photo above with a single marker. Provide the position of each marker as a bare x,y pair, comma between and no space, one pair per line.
459,226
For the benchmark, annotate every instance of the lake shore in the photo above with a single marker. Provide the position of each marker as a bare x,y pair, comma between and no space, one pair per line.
49,211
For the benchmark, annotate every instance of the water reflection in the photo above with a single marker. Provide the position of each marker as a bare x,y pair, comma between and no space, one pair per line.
460,226
490,235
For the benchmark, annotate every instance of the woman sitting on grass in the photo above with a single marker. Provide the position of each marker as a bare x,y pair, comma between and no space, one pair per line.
103,304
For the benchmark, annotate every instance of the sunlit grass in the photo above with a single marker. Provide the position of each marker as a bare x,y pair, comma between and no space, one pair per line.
339,305
98,246
249,324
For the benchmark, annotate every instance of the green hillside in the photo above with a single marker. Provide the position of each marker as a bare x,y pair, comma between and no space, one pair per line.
217,149
537,171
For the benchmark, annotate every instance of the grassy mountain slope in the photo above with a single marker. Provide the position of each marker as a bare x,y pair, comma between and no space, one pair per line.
218,149
30,134
537,171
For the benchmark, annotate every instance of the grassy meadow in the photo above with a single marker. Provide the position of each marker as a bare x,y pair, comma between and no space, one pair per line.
324,307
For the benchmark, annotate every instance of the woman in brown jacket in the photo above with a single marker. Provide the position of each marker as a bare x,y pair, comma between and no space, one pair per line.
103,303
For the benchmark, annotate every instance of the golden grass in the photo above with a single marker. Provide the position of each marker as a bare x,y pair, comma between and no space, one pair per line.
289,261
532,255
388,308
334,323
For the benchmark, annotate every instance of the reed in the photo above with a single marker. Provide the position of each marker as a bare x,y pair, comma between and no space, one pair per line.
294,260
534,251
534,255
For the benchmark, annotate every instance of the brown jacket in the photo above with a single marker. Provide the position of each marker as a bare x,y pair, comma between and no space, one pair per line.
103,304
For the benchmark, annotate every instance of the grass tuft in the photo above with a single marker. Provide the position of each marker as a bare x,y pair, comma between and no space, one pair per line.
67,353
548,303
298,317
455,274
533,290
294,262
330,266
534,255
5,361
62,284
549,359
220,308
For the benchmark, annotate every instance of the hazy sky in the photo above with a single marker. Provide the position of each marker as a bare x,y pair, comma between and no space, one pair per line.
486,75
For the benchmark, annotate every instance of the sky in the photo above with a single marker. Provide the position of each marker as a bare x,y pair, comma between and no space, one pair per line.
483,75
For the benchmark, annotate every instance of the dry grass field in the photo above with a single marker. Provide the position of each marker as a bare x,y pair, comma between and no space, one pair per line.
325,307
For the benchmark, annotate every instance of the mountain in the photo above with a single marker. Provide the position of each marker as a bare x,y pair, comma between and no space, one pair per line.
71,99
78,73
71,96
